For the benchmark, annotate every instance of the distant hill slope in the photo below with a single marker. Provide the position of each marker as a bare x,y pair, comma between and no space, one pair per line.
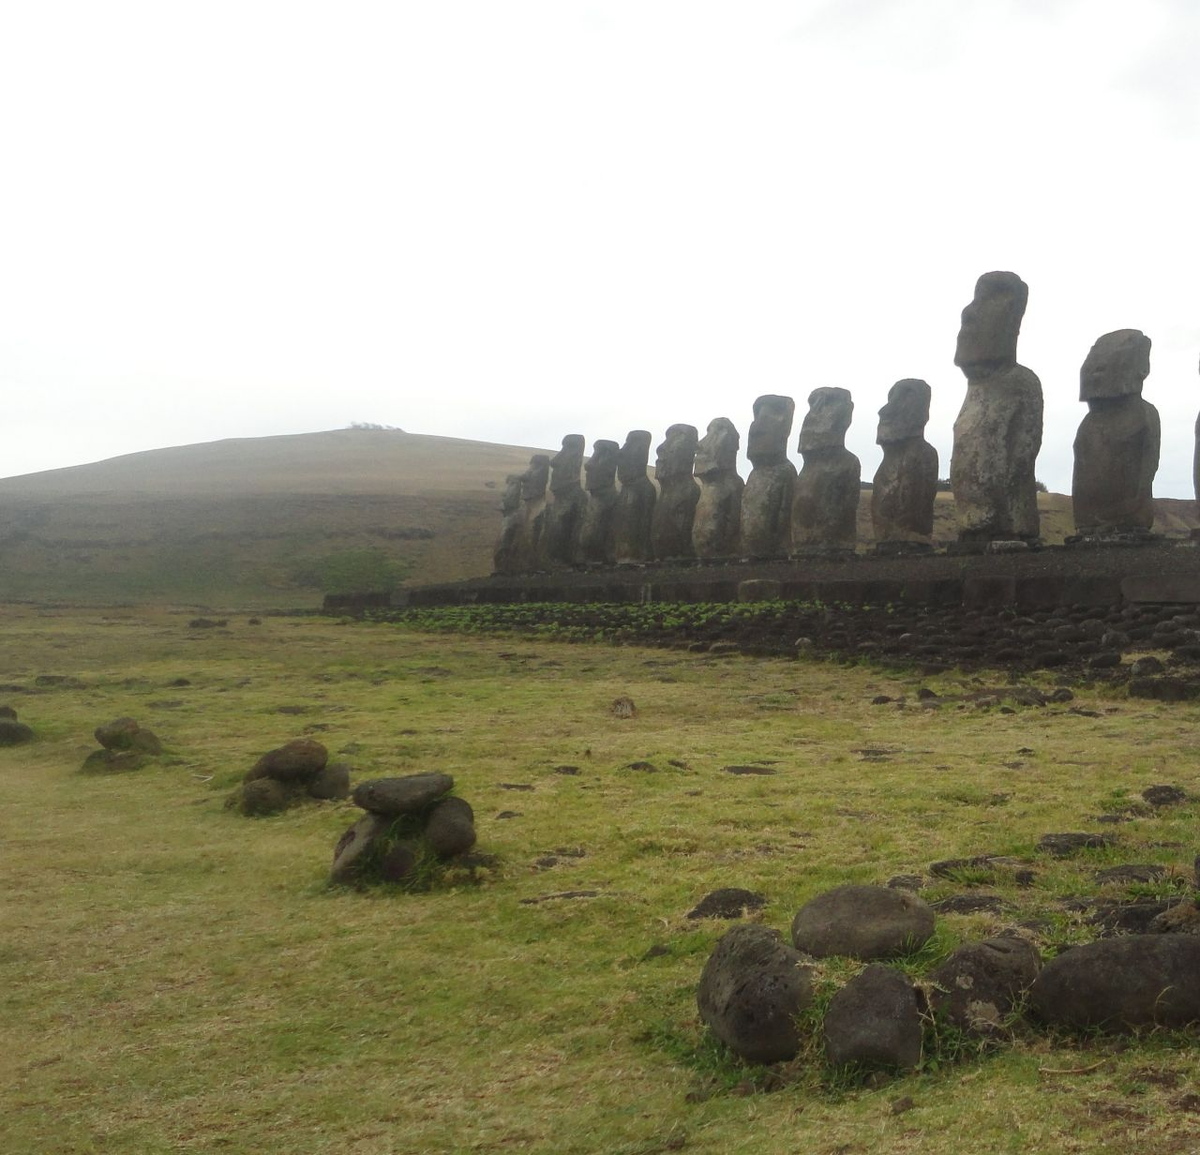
277,520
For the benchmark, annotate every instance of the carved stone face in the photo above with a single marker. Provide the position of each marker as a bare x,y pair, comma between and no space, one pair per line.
534,479
601,467
718,448
677,453
511,501
991,323
1116,366
633,456
766,444
566,463
906,413
828,418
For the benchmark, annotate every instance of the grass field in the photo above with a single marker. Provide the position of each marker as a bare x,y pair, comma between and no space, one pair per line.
179,978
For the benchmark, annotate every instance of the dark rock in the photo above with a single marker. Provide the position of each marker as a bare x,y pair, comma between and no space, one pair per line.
1134,917
354,844
118,734
1118,984
263,796
331,783
7,712
1105,660
728,902
407,795
398,862
1144,667
748,769
450,827
1178,918
146,742
112,761
14,733
1164,795
294,761
875,1020
1130,873
866,922
1064,845
906,882
980,983
1163,689
751,990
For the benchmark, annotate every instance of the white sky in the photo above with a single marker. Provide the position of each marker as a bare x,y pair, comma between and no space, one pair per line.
509,220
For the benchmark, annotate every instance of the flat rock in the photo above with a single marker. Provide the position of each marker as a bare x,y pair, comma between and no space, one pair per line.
408,795
295,761
1130,873
7,712
1179,918
751,990
1164,795
875,1020
727,902
1064,845
352,845
1134,917
980,983
450,827
970,904
866,922
1118,984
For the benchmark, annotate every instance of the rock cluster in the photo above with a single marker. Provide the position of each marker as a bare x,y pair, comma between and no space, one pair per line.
12,732
411,824
297,770
124,745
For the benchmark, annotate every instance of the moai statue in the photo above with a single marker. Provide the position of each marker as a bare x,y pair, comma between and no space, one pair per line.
905,484
1116,448
999,429
564,514
634,510
678,492
505,559
596,532
717,529
767,502
825,506
533,513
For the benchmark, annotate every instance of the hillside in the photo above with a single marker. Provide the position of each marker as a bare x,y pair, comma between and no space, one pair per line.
276,520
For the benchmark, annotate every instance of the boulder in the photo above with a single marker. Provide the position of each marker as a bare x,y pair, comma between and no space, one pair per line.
398,862
13,733
752,988
295,761
352,845
450,827
1117,984
980,983
875,1020
117,734
866,922
112,761
263,796
395,796
146,742
331,783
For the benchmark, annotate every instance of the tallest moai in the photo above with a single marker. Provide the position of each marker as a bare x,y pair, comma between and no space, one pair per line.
999,429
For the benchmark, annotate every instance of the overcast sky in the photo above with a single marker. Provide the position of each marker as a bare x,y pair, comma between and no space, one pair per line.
508,220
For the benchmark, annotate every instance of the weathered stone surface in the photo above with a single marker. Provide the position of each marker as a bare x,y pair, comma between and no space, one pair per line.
112,761
767,498
564,514
751,990
999,429
1117,446
351,847
875,1020
395,796
866,922
506,555
980,983
1164,795
678,494
117,734
1064,845
295,761
716,530
14,733
634,511
1178,918
263,796
331,783
1117,984
905,484
398,862
825,504
450,827
532,515
727,902
596,546
8,712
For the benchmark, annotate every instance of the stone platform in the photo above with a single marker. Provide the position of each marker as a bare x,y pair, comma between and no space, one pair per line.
1163,572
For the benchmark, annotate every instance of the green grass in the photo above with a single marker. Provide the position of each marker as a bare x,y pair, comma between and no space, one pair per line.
178,978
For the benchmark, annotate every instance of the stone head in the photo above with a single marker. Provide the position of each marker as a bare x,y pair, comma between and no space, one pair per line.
828,418
511,501
991,323
534,479
718,448
566,464
633,456
766,443
601,467
677,453
906,412
1116,366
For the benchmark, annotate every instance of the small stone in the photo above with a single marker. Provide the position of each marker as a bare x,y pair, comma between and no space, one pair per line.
450,827
8,712
1180,918
1064,845
1130,873
1163,795
146,742
1144,667
407,795
112,761
263,796
727,902
875,1020
331,783
970,904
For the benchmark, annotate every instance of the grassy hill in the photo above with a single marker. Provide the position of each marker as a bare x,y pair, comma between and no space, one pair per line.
277,520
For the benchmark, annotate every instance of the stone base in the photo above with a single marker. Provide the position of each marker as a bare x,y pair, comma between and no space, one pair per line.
902,548
976,546
823,553
1120,538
